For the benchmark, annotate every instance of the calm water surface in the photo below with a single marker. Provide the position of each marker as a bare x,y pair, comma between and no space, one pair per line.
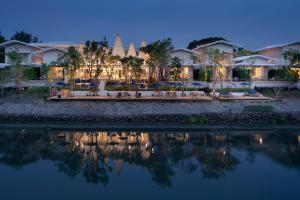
65,163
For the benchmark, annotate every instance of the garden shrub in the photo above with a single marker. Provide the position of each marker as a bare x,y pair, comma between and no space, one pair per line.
242,74
283,74
31,73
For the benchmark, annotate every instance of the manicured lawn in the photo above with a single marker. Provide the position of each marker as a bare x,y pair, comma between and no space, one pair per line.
283,93
233,90
33,92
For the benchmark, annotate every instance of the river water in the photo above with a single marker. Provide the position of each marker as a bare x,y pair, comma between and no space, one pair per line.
149,163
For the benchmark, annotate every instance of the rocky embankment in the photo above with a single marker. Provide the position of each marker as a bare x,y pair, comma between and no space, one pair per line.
282,112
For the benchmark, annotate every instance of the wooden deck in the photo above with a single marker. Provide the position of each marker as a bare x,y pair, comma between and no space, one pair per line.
102,98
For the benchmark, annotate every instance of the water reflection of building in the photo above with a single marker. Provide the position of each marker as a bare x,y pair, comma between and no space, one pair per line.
96,154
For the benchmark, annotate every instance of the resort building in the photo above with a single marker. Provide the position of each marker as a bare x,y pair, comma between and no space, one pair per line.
276,52
199,58
192,61
258,64
37,54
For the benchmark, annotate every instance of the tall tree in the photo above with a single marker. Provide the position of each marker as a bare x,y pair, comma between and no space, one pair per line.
71,61
2,38
193,44
4,78
103,55
176,69
293,58
159,56
24,37
215,57
89,56
16,70
136,68
2,50
126,67
244,52
110,65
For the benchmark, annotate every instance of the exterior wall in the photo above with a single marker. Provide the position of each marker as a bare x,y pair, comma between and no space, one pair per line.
184,56
273,53
259,73
24,50
187,73
20,48
56,74
50,56
36,59
222,48
228,50
277,52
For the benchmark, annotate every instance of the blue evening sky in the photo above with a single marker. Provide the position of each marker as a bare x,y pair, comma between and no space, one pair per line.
251,23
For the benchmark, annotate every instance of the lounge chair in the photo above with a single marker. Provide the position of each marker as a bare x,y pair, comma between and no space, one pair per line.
138,95
225,94
119,95
252,93
127,94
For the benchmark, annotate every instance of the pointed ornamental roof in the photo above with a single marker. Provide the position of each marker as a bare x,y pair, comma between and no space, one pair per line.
142,54
118,49
131,50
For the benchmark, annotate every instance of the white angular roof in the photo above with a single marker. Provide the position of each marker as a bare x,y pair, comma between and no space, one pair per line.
278,46
18,42
185,50
255,60
56,44
219,42
49,49
118,49
131,50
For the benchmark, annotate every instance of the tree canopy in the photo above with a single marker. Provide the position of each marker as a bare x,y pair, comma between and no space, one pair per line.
2,52
2,38
159,56
193,44
176,68
293,56
24,37
244,52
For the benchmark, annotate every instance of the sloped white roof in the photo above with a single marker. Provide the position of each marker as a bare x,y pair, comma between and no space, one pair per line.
131,50
18,42
186,50
278,46
118,49
49,49
56,44
219,42
253,61
253,56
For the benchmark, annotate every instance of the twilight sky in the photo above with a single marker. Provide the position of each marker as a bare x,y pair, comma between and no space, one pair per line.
251,23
